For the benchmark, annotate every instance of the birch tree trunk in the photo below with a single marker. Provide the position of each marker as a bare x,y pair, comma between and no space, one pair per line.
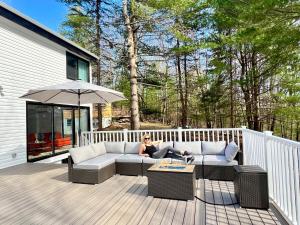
131,43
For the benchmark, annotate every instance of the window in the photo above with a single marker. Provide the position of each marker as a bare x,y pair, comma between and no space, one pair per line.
77,68
51,129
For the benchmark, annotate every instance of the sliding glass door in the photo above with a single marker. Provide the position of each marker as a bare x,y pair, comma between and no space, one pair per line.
63,128
51,129
39,131
84,120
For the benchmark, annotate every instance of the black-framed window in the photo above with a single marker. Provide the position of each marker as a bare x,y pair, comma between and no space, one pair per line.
51,129
77,68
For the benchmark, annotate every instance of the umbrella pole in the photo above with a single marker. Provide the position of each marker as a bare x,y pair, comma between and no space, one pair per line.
79,127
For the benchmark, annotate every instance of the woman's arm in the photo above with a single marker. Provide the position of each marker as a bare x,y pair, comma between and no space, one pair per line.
156,143
141,151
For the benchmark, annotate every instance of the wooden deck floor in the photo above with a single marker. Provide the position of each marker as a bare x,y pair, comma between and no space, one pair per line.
41,194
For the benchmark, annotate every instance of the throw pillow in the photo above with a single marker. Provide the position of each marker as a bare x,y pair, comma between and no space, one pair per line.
230,151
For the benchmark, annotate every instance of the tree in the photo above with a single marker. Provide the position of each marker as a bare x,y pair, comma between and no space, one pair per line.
129,18
84,26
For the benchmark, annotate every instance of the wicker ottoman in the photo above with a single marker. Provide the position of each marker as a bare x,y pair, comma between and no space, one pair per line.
172,181
251,187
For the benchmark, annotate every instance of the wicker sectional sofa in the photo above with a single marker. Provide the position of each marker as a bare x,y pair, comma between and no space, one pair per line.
97,162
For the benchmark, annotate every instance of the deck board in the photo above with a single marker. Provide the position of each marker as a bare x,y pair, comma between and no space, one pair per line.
169,214
41,194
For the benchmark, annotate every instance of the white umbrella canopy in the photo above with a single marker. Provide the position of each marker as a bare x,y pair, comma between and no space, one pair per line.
74,92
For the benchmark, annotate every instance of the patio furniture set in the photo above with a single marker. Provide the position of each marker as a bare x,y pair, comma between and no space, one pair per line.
167,178
97,162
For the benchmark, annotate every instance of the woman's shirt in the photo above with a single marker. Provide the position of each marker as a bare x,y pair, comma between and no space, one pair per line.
150,149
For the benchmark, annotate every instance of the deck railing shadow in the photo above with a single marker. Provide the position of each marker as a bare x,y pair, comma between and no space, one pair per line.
134,187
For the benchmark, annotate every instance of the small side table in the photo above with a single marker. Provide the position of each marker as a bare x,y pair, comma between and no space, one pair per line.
251,187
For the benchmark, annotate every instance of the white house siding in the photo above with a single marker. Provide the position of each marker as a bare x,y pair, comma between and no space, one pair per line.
27,61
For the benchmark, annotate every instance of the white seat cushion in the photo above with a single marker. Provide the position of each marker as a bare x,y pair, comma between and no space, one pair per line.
198,160
163,145
99,148
81,154
213,148
132,147
115,147
218,160
153,161
193,147
177,161
97,162
130,158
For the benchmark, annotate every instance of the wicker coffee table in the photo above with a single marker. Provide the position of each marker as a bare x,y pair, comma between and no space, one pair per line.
174,181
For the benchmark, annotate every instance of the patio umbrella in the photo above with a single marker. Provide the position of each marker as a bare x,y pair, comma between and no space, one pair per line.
74,92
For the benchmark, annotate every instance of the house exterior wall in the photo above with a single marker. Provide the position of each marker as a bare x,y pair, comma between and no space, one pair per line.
27,61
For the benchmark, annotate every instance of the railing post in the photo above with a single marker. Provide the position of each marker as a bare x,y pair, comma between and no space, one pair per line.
267,134
179,132
268,162
244,144
77,139
125,133
92,141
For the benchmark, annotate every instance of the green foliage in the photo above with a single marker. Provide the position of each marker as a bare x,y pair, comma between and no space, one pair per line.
79,29
124,87
248,48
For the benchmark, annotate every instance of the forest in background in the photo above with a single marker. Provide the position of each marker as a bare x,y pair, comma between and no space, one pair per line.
196,63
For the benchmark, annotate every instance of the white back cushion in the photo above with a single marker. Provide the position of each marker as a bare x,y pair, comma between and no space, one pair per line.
213,148
82,153
230,151
114,147
163,145
99,148
132,147
193,147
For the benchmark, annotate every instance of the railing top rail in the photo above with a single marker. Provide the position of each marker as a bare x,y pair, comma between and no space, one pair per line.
166,130
276,138
103,131
254,132
283,140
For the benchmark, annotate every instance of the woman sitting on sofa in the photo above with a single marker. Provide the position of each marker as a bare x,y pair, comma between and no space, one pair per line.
150,149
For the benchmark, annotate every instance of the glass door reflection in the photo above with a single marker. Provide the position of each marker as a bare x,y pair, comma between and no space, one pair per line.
84,121
63,128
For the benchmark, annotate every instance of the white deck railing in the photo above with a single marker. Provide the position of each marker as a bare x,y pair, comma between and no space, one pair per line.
280,157
226,134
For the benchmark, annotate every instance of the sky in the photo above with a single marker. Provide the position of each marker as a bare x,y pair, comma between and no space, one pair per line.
50,13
